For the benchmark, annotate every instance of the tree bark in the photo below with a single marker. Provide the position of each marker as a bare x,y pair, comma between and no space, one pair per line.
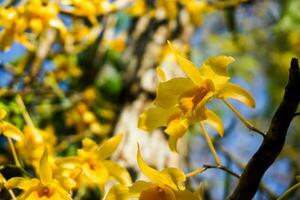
273,141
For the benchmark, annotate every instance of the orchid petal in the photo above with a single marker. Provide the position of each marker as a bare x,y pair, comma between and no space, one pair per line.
11,131
187,67
176,126
173,143
118,192
215,69
21,183
107,148
155,117
96,172
169,91
214,120
159,192
45,169
140,186
236,92
176,175
148,171
118,172
185,194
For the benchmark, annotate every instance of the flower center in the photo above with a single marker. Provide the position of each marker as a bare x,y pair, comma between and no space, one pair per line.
45,191
157,193
189,100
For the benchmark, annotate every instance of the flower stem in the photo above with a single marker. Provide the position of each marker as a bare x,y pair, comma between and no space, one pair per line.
13,150
25,114
289,191
11,193
242,119
210,144
195,172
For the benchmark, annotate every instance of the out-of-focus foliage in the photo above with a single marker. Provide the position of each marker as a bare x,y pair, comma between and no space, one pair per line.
69,68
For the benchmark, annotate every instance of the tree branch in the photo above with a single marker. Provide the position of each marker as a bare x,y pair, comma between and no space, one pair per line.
273,141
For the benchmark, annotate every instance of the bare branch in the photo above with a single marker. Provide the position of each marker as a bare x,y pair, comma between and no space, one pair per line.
273,141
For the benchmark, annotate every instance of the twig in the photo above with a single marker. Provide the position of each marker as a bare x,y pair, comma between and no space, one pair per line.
296,114
224,168
273,141
43,49
241,165
289,191
206,167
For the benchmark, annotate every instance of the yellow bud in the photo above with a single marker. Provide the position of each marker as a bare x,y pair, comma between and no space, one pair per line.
88,117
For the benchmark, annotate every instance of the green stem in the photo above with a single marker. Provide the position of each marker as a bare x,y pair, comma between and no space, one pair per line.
210,144
289,191
242,119
13,150
195,172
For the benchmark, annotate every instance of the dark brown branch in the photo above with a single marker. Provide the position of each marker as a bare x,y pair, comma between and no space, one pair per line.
273,141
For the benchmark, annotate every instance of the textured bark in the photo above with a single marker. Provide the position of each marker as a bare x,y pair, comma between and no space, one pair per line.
273,141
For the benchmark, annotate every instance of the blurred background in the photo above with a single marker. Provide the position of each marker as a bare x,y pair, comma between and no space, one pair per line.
87,69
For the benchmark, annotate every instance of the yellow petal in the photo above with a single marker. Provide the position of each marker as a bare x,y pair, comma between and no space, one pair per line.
214,120
236,92
159,192
169,91
11,131
6,38
89,145
217,65
155,117
60,193
173,143
96,172
154,175
140,186
187,67
215,69
21,183
160,73
118,172
148,171
176,175
118,192
176,126
3,113
2,180
107,148
185,194
45,169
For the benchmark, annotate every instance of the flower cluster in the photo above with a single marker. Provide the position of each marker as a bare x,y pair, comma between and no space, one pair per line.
65,36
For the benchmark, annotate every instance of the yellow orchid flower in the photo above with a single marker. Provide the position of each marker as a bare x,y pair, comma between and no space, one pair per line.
181,102
214,70
43,188
38,139
93,161
33,15
164,185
